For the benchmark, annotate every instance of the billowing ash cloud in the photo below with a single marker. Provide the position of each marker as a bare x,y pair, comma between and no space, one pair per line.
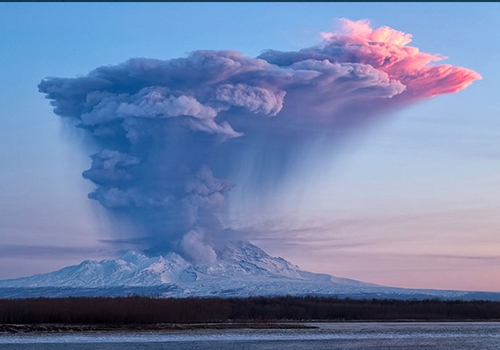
170,132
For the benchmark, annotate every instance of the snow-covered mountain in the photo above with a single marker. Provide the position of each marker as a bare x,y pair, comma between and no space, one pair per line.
241,269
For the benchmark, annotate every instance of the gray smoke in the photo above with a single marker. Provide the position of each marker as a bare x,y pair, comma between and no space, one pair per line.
171,132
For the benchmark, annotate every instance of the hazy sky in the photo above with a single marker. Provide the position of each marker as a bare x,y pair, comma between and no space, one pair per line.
412,201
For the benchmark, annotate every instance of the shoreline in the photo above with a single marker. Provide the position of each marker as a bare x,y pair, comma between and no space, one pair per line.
54,328
79,328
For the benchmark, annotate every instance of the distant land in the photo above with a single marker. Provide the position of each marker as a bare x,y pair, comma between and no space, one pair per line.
241,270
143,313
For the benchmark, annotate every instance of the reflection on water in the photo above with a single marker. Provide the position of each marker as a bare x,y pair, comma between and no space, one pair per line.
382,336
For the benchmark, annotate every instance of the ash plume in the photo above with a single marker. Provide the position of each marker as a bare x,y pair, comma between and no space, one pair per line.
171,132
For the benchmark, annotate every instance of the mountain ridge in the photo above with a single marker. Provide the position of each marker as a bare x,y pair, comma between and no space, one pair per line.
241,270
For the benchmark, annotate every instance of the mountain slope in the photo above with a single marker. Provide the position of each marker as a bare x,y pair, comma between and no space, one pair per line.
241,270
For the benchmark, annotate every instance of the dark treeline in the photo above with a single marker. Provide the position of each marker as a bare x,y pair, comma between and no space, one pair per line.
144,310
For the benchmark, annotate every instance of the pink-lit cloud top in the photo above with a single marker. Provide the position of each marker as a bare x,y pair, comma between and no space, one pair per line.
387,50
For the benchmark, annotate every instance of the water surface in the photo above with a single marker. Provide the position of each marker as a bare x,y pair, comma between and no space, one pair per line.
382,336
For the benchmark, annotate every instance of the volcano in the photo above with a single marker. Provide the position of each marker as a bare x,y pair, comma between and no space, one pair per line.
241,270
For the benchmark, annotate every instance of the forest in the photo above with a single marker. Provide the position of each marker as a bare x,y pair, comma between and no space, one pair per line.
147,310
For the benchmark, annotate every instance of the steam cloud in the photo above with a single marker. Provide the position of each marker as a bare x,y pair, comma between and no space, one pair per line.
171,131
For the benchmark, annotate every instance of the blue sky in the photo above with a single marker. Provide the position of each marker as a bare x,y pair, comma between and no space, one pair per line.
412,200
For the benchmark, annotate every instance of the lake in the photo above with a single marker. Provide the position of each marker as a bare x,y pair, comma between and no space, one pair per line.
331,336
